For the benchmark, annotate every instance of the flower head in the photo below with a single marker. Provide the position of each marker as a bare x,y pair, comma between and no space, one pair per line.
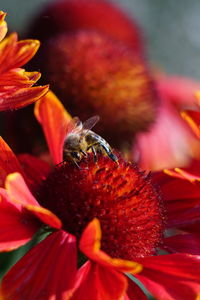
15,83
99,75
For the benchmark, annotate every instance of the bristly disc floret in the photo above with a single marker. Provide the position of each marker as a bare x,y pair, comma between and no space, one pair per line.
119,195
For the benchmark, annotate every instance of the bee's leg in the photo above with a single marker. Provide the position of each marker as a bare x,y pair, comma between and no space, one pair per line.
94,154
84,153
110,154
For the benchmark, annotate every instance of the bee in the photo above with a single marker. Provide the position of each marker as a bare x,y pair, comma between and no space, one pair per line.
81,139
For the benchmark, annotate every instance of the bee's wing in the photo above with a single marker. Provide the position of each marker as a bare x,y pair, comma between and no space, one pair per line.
75,125
91,122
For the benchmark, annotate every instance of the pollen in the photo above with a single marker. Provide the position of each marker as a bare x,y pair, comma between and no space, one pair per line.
118,194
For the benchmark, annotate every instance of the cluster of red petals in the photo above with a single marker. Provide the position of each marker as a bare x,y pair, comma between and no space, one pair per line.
15,83
173,276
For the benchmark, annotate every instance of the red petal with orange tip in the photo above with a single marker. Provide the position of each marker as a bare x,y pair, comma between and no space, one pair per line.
174,276
3,25
184,243
46,272
17,225
90,244
51,114
19,193
18,98
193,119
8,162
98,282
35,169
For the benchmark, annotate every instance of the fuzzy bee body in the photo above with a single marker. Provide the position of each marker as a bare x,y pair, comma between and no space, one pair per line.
82,140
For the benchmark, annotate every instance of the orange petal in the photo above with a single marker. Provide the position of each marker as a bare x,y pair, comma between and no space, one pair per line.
51,114
8,162
23,52
90,244
193,119
17,226
3,25
14,54
19,193
97,282
18,98
6,52
17,78
46,272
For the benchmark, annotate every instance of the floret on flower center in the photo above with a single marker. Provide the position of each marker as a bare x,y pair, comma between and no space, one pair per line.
119,195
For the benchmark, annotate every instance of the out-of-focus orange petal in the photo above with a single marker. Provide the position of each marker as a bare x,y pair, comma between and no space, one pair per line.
19,193
53,118
3,25
97,282
17,226
90,244
46,272
17,98
8,162
193,119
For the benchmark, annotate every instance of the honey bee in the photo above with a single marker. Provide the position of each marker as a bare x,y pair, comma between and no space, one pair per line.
81,139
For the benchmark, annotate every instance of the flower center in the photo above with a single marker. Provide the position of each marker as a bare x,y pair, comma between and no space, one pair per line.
119,195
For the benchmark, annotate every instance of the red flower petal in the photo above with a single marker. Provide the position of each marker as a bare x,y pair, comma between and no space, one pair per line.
8,162
163,146
3,25
182,200
17,225
184,243
134,292
90,244
174,276
19,193
193,119
17,98
46,272
97,282
35,169
54,119
178,90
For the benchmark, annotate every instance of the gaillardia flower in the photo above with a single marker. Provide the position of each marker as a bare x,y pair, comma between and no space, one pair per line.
106,209
15,83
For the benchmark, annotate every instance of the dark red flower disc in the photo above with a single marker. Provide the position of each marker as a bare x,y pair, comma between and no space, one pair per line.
119,195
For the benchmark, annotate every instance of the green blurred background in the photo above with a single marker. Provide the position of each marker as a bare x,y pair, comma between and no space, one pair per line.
171,28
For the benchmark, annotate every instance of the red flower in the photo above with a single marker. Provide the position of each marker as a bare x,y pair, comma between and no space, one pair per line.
117,195
15,83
